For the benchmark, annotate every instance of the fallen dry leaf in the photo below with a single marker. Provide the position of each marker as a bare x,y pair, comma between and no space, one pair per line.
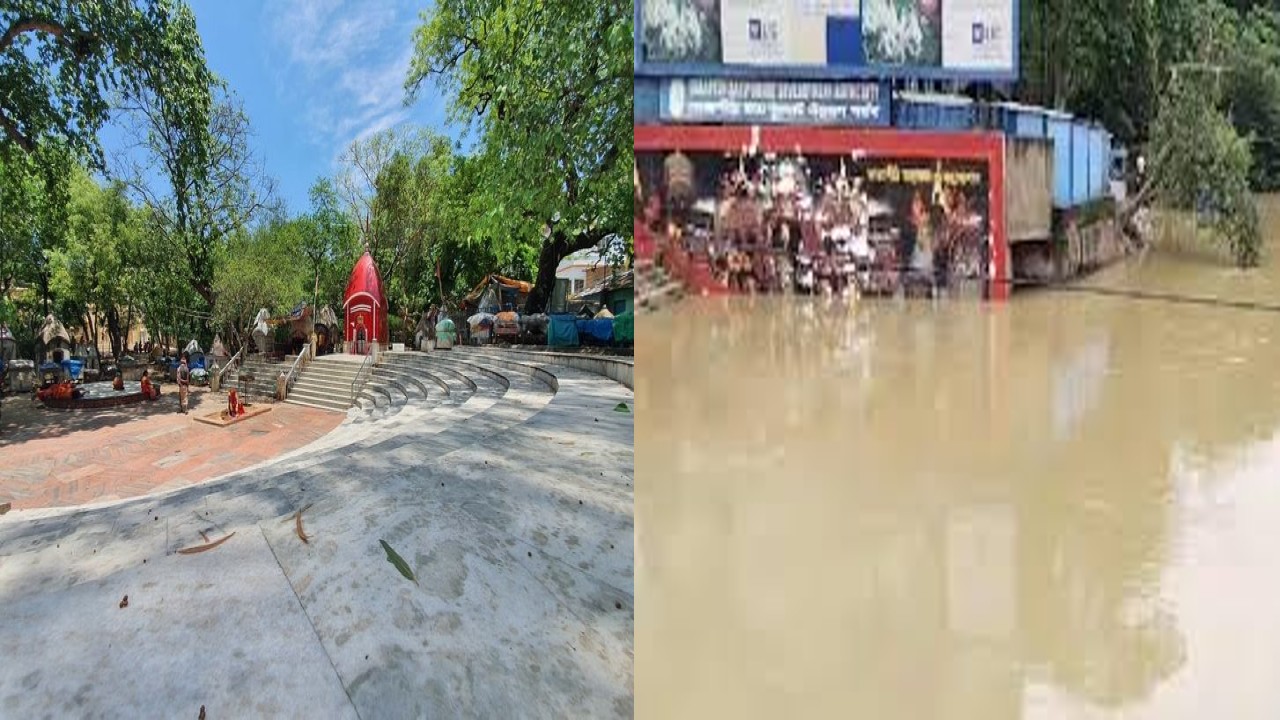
125,602
202,548
201,713
297,517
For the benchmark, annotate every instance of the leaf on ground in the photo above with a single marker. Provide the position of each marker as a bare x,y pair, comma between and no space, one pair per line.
202,548
297,528
125,602
621,407
401,565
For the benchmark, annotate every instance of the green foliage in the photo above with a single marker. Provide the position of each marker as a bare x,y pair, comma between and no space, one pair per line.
1254,93
261,269
394,558
61,62
33,200
1111,61
548,84
198,180
1195,81
1204,164
330,243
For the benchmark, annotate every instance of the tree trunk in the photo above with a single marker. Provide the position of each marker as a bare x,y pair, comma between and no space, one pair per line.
554,249
113,332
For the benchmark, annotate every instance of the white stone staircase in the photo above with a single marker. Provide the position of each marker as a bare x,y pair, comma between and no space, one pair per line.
326,382
264,373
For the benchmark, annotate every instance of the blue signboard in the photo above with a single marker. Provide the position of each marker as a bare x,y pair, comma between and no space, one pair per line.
960,39
737,101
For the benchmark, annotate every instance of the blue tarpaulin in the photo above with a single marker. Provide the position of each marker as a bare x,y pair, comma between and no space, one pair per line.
73,368
600,330
562,331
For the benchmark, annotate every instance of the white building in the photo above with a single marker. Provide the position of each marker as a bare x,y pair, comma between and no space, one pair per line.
574,267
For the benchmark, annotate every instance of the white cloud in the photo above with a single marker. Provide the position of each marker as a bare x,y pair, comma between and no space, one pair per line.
343,64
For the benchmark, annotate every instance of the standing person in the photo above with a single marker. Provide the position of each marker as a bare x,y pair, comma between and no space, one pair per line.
184,380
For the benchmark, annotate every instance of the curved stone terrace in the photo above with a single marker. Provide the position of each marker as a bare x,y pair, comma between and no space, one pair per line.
460,545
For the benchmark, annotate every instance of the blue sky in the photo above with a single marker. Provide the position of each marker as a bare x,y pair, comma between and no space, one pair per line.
315,75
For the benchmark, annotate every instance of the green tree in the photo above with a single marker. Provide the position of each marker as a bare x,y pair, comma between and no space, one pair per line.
34,193
106,268
1253,92
549,83
260,269
408,222
1203,163
331,244
60,63
200,183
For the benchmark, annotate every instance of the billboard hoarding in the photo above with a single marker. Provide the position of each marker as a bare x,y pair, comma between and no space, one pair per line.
957,39
767,101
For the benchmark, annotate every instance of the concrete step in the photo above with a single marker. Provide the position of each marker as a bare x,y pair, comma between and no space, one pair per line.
330,372
321,393
404,379
324,383
319,405
455,381
393,390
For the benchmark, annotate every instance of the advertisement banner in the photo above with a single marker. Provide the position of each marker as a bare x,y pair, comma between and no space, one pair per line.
728,100
822,223
902,38
977,34
788,32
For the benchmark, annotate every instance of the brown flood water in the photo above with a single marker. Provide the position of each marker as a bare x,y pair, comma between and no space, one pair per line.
1067,506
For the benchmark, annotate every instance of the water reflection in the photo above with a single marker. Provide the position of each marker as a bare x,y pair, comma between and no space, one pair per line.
995,511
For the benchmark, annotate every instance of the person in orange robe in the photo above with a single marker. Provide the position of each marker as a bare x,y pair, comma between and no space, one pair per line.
148,391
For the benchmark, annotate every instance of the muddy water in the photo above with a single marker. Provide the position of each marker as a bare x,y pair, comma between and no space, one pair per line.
1063,507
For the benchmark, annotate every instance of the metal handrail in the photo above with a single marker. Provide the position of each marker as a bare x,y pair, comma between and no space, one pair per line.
292,377
359,378
235,360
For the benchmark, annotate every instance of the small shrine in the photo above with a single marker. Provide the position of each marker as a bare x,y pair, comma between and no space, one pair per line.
364,308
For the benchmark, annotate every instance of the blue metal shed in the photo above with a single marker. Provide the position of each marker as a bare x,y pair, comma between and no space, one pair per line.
1079,164
1023,121
915,111
1059,128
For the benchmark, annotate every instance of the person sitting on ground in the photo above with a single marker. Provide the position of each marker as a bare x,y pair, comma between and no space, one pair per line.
117,383
149,391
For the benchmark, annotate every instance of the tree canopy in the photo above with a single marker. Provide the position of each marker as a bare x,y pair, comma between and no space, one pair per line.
1194,82
180,227
548,85
60,63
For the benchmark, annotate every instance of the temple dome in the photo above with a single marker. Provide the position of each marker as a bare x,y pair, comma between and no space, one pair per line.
365,279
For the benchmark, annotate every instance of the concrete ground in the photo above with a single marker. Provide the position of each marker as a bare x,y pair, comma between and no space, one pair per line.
63,458
511,509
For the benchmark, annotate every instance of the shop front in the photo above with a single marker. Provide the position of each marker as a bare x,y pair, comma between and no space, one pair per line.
825,210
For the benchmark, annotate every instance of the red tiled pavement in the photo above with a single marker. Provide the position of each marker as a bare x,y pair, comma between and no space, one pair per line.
51,458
